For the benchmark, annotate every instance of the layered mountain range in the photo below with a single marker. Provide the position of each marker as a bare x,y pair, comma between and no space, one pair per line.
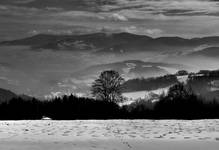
44,64
116,43
6,95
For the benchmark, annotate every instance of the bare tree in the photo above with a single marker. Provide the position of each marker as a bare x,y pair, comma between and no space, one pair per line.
108,86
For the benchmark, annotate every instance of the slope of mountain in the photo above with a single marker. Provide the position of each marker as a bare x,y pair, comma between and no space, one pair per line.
149,84
152,95
209,52
79,54
113,43
81,80
204,83
95,41
130,69
6,95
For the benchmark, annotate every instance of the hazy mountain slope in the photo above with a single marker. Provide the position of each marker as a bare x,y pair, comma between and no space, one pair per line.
6,95
113,43
209,52
95,41
204,84
130,69
74,61
142,84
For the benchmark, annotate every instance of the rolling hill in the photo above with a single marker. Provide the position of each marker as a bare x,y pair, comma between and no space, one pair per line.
71,62
102,43
208,52
204,83
6,95
149,84
130,69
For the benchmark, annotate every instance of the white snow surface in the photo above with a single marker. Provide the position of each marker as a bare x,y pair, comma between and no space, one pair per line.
110,134
183,79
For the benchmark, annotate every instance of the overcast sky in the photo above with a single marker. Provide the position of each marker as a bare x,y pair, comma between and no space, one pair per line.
186,18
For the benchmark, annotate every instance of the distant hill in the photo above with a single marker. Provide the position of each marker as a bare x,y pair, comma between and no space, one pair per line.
112,43
130,69
209,52
6,95
204,83
149,84
96,42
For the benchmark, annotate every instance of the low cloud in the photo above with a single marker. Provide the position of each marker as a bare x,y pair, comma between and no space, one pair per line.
154,32
143,31
155,18
9,81
118,17
23,1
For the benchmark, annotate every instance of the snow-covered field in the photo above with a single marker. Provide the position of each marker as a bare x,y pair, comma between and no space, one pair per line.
110,135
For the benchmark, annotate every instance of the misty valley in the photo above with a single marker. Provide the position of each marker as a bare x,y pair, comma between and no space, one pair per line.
53,65
43,68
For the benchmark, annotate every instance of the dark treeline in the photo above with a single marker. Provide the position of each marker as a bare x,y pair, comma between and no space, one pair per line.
67,107
203,82
179,103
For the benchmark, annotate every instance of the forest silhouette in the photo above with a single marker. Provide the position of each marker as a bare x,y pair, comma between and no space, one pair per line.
179,103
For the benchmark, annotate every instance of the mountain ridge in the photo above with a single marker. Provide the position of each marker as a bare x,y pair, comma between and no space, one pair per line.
114,42
6,95
209,52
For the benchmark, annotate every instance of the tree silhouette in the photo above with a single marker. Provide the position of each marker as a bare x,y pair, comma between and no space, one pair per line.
179,91
108,86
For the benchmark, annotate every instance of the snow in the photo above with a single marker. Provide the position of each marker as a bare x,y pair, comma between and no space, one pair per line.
145,94
212,89
215,83
147,66
182,79
148,95
199,75
46,118
129,67
110,134
169,69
